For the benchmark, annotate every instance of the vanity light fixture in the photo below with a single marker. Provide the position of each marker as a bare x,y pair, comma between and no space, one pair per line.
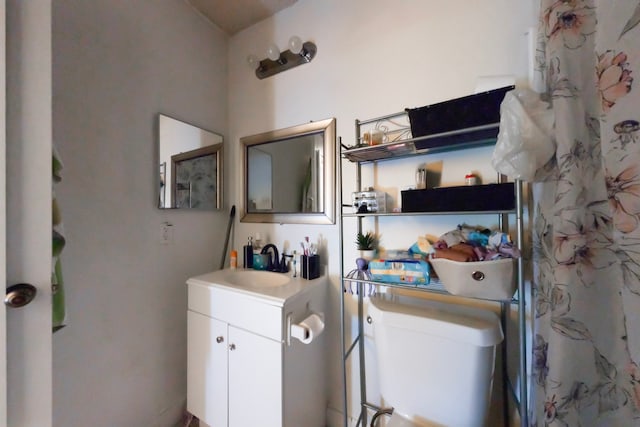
298,53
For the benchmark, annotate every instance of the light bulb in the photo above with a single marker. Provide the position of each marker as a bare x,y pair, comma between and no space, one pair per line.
253,62
273,52
295,44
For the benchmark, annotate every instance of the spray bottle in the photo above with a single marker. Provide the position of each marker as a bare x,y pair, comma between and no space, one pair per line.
233,259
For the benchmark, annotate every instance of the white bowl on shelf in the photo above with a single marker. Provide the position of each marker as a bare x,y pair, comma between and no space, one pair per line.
495,280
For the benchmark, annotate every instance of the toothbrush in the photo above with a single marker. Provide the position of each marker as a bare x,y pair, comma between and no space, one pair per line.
295,261
306,246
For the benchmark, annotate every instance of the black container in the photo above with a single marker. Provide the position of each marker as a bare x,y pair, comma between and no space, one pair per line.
467,198
454,115
310,266
247,253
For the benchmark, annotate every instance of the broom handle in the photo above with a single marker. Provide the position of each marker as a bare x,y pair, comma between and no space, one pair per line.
226,241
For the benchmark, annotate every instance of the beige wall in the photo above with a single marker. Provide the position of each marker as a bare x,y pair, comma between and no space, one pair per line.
117,64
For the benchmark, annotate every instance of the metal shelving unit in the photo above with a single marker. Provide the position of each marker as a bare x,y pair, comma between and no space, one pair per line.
400,144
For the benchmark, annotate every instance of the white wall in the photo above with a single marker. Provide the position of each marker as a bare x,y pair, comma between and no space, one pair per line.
121,361
118,63
375,57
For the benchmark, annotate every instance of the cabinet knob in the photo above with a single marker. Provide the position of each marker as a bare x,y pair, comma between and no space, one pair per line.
219,339
232,347
477,276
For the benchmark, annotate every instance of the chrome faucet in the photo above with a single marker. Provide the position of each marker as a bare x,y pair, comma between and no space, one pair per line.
272,265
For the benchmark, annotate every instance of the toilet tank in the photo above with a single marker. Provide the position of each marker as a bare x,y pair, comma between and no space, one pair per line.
435,359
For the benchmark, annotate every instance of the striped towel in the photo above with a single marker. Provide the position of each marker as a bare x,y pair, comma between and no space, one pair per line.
57,289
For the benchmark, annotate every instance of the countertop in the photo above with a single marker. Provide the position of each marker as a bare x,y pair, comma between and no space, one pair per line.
276,295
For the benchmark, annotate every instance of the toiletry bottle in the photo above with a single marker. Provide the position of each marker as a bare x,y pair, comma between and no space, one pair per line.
258,263
257,245
471,179
247,254
234,259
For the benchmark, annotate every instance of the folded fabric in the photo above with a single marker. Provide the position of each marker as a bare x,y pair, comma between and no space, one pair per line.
466,243
509,250
451,238
497,238
453,255
465,248
464,233
481,252
478,238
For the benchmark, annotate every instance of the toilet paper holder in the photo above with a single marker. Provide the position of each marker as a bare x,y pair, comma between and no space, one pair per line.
307,330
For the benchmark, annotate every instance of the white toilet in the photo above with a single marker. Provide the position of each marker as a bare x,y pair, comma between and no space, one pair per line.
435,361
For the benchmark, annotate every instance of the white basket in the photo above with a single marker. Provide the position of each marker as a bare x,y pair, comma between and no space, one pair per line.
494,280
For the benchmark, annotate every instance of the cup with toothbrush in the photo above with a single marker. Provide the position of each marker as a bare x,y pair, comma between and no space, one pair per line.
309,260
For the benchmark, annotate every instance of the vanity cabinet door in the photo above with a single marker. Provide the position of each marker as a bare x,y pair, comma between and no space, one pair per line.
207,368
255,380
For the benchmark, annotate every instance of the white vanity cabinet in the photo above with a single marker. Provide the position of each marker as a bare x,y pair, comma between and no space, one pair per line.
255,375
233,366
207,350
242,370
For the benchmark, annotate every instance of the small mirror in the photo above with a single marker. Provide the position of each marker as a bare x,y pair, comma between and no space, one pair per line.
289,175
190,166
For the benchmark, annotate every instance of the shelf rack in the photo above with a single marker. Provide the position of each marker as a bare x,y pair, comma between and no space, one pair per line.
400,145
406,147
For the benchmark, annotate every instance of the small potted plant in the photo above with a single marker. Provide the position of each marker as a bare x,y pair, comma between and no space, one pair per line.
366,244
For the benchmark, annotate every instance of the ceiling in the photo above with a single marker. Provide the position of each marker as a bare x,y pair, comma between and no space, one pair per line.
236,15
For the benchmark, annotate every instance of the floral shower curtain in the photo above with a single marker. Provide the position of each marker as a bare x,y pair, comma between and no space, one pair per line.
586,341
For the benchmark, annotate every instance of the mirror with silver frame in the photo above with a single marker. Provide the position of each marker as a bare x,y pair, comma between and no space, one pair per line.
190,166
289,175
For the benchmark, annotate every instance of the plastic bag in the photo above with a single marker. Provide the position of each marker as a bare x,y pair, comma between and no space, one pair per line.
525,141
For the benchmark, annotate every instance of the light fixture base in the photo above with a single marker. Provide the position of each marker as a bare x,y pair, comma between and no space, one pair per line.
286,61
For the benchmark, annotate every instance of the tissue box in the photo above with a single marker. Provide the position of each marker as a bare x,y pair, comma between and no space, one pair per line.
495,280
405,271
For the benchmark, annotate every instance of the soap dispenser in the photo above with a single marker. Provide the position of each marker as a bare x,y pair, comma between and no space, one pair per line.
257,245
247,253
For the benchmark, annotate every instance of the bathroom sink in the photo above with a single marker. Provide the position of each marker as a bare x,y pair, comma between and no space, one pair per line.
256,278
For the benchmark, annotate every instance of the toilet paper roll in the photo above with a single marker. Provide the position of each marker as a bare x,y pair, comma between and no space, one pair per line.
307,330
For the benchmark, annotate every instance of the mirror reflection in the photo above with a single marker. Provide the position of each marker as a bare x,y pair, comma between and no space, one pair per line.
289,175
190,166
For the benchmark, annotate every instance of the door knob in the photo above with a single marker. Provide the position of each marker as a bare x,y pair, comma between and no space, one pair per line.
19,295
